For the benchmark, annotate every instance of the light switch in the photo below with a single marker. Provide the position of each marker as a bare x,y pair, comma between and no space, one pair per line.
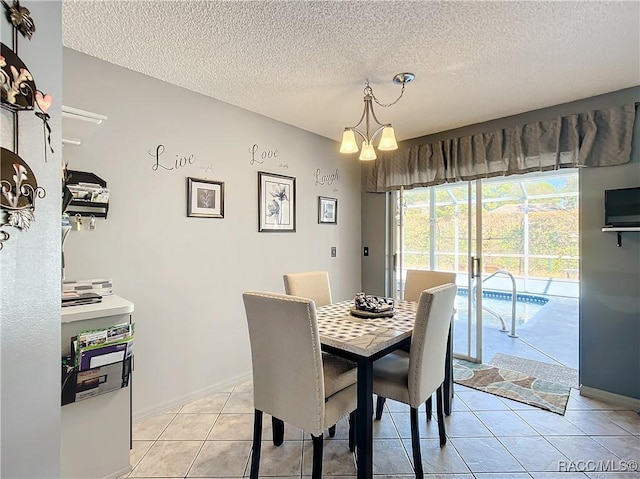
333,251
366,251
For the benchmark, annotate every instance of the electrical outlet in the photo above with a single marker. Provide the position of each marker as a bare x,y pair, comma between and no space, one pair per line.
333,251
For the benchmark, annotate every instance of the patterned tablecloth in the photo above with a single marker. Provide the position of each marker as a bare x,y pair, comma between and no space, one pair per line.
338,328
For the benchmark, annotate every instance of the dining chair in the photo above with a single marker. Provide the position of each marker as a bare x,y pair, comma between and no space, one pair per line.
290,379
417,280
314,285
412,379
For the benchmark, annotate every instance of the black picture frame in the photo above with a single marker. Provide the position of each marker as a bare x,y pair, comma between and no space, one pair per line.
327,210
276,203
205,198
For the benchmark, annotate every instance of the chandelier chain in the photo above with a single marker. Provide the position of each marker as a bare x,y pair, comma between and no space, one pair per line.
369,91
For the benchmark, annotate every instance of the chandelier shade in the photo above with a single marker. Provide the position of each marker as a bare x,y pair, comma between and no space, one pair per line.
387,134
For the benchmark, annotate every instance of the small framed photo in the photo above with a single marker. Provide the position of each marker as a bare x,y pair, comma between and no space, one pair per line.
327,210
205,199
276,202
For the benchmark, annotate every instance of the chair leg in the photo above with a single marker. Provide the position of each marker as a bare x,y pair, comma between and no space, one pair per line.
415,444
440,412
332,431
379,406
352,431
318,443
429,407
278,431
257,441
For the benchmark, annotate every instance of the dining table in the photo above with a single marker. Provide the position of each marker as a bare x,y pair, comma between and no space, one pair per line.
364,340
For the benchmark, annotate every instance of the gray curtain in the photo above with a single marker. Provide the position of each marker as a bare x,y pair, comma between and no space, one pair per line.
594,138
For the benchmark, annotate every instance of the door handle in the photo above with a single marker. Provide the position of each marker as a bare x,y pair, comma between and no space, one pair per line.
475,267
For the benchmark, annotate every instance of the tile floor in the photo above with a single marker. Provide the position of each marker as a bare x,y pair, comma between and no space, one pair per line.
488,438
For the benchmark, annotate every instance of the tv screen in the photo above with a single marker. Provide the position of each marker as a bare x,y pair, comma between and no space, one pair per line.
622,207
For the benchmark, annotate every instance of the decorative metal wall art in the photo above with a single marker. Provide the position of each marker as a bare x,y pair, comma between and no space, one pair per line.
20,18
18,92
18,192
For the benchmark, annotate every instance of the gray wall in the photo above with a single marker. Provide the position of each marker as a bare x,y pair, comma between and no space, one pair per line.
30,275
186,275
609,305
610,284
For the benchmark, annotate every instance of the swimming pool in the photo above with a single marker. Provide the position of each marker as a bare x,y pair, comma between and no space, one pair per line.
527,306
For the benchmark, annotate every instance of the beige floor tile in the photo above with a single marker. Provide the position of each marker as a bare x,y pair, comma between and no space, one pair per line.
150,428
389,457
239,403
232,427
189,427
337,459
549,424
554,475
485,454
611,475
465,424
281,461
627,420
627,448
534,453
402,422
505,423
210,404
221,458
501,475
594,423
582,448
480,401
436,459
138,451
167,459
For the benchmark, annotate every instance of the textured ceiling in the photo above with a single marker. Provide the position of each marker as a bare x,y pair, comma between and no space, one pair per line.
305,63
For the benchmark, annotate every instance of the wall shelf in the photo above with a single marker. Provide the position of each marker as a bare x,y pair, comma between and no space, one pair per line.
620,230
78,125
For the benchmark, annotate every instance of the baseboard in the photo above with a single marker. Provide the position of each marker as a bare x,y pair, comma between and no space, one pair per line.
122,472
187,398
601,395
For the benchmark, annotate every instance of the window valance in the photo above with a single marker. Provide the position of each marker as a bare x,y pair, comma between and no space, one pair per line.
595,138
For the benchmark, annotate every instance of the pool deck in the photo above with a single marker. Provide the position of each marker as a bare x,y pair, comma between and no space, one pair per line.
550,336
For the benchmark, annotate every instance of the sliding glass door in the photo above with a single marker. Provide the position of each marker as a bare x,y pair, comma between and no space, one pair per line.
438,228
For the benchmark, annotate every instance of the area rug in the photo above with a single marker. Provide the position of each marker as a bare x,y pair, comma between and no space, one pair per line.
512,385
549,372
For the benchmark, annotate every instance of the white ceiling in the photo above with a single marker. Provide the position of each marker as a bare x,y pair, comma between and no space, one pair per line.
305,63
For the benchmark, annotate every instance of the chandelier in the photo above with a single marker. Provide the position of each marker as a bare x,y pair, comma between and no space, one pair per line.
387,137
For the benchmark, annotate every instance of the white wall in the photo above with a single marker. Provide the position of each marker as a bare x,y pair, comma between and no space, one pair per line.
186,275
30,274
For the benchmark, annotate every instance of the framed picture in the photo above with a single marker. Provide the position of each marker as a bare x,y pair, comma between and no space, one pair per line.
276,202
327,210
205,199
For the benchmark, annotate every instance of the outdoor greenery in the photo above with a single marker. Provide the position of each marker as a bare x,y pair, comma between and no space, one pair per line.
552,205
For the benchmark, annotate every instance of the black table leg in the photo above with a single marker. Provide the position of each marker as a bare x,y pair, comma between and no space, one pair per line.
448,374
364,418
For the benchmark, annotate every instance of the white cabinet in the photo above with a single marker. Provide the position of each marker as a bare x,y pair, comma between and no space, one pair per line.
96,432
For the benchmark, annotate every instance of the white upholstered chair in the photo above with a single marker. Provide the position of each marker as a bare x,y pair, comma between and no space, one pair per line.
412,379
313,285
417,280
290,379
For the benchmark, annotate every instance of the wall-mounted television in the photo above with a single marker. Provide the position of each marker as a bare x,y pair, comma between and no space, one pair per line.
622,207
